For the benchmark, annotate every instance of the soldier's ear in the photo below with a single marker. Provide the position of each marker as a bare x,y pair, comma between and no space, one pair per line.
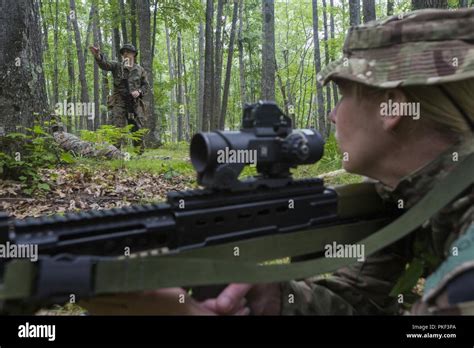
393,102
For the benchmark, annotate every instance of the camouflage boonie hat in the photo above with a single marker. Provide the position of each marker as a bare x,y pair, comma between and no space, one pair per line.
423,47
128,47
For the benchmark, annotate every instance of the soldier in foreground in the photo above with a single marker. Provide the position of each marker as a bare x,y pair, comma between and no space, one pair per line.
424,63
130,86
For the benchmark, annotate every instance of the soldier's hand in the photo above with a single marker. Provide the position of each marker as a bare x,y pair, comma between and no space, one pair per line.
171,301
95,50
242,299
135,94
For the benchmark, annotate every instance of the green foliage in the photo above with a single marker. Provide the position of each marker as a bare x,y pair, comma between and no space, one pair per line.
25,154
181,147
332,159
113,135
180,15
171,159
409,278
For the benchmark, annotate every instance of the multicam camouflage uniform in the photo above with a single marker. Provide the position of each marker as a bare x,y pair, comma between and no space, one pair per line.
79,147
137,81
401,51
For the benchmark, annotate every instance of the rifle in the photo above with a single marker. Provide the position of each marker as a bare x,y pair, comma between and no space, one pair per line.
130,103
270,215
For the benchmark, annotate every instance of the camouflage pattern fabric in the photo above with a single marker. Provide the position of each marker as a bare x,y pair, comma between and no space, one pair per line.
137,81
130,48
364,288
423,47
70,142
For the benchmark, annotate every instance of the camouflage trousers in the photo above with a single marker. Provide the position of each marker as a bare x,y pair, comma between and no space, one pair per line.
121,117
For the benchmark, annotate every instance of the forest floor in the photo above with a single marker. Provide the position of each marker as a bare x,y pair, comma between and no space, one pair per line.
96,184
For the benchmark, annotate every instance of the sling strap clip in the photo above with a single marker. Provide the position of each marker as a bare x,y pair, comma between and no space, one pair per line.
63,275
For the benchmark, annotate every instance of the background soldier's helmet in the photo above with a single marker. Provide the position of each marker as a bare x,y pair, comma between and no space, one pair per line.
128,47
424,47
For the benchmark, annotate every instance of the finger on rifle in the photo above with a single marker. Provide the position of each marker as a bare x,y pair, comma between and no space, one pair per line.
230,298
243,311
210,304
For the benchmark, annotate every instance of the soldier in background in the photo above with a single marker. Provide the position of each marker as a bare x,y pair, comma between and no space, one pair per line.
130,85
79,147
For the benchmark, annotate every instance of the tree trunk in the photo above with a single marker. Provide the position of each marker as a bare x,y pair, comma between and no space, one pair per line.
354,12
80,60
172,77
187,106
133,21
192,89
200,88
311,102
301,73
368,8
88,33
56,45
123,16
317,65
289,107
115,13
268,50
180,94
71,77
105,84
23,91
463,3
218,67
208,98
282,88
95,35
326,53
419,4
250,47
153,136
153,38
229,66
331,50
45,26
243,96
116,44
45,41
344,25
390,4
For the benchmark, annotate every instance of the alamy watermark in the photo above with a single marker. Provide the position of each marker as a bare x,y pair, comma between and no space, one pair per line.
19,251
336,250
244,156
76,109
391,108
28,330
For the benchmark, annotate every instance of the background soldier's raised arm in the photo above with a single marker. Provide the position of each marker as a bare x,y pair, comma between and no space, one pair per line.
101,60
